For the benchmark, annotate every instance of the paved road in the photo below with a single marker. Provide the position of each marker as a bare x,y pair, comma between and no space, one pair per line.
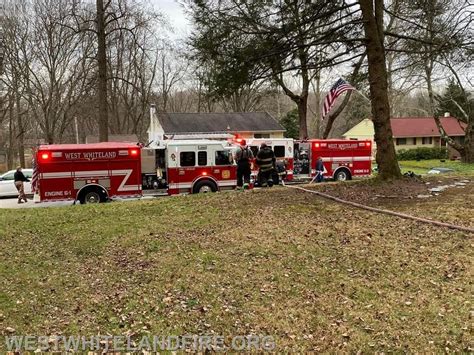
12,203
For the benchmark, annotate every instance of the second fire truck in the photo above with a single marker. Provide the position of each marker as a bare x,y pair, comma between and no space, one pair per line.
342,159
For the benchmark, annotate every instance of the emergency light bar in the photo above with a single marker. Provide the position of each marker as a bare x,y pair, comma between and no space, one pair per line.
45,156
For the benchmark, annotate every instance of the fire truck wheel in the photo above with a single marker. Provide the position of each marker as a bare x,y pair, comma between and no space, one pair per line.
92,194
342,175
204,186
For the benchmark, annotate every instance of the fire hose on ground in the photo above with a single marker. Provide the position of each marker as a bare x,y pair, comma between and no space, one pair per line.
387,212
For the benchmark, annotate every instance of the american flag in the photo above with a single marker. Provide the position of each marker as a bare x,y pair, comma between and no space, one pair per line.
34,176
337,89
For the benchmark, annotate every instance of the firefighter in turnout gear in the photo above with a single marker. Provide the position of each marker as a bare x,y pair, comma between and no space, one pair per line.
266,163
319,170
243,157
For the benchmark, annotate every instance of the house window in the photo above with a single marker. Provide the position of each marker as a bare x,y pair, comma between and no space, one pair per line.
187,158
401,141
414,141
427,140
202,158
279,151
261,135
223,157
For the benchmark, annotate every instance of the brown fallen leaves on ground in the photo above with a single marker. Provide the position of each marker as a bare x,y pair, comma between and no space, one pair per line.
314,274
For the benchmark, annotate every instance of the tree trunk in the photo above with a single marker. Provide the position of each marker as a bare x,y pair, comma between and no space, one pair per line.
302,112
317,118
332,117
102,73
467,155
199,96
11,138
466,150
373,28
21,131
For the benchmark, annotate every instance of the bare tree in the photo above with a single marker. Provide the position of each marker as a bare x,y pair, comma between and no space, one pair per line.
172,70
437,42
101,23
132,68
123,25
372,14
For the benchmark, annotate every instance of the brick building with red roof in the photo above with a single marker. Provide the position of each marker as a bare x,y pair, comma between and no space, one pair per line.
414,132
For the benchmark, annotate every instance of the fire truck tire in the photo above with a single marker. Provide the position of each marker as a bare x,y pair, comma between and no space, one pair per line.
342,175
92,194
204,186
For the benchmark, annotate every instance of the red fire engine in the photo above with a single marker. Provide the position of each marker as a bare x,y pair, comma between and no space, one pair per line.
189,166
88,172
98,172
342,159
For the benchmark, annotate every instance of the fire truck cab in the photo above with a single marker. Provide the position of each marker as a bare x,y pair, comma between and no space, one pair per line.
188,166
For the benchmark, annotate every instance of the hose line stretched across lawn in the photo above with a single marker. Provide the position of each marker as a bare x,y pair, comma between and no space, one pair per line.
378,210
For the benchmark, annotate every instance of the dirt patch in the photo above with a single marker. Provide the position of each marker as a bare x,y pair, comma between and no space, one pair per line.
412,196
374,193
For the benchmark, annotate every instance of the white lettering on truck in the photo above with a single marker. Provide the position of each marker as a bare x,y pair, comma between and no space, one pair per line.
53,193
91,155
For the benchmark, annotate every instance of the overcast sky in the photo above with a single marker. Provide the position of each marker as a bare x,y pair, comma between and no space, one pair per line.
175,14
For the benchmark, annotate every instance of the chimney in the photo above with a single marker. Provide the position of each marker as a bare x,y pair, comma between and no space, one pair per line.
152,126
447,114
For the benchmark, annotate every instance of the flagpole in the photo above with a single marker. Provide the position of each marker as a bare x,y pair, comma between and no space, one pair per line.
360,93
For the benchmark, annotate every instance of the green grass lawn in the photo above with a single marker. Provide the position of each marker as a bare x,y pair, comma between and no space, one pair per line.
423,166
313,274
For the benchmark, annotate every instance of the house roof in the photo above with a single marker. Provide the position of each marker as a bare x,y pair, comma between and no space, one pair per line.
218,122
425,127
405,127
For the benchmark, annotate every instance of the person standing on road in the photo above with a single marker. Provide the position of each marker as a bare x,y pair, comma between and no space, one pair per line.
243,157
20,179
266,163
319,170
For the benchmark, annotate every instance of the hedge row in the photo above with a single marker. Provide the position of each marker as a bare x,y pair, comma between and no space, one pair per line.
422,153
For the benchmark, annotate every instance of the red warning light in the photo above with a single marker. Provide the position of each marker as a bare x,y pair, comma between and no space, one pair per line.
204,173
134,152
316,145
45,156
